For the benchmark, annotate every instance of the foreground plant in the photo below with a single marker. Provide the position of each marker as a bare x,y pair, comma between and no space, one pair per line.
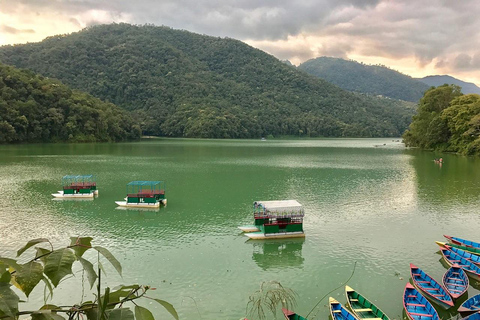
50,266
270,295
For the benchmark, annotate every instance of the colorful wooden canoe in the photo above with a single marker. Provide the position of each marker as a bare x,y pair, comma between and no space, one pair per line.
455,280
474,316
417,306
431,288
471,305
290,315
462,242
475,251
361,307
338,312
465,254
452,258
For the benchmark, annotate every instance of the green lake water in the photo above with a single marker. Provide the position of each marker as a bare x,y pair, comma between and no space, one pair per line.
381,206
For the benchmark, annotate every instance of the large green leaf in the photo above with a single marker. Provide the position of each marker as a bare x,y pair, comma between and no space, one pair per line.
81,244
46,315
121,293
59,264
10,263
88,267
28,276
8,300
42,254
30,244
104,252
168,307
142,313
120,314
5,277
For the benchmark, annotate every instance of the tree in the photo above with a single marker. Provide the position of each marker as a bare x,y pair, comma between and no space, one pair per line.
50,266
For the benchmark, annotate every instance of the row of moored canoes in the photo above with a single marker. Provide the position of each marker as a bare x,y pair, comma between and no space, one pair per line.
463,257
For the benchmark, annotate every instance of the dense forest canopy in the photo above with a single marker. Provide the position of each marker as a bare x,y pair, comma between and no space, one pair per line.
447,120
185,84
36,109
369,79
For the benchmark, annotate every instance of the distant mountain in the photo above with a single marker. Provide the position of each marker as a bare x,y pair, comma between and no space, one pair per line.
435,81
358,77
37,109
185,84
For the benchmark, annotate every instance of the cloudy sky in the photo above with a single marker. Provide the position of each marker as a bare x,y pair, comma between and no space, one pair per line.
416,37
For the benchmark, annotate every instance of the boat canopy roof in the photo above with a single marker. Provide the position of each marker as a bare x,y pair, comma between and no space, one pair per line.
279,207
79,177
144,183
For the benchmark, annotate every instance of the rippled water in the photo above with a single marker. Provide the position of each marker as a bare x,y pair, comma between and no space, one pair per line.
381,206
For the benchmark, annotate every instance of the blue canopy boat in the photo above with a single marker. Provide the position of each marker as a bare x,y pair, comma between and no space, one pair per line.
290,315
452,258
417,306
462,242
455,280
338,312
471,305
431,288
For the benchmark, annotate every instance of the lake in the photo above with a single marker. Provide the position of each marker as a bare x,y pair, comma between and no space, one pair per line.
369,201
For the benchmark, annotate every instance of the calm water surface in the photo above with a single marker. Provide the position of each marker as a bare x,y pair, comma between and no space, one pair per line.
382,207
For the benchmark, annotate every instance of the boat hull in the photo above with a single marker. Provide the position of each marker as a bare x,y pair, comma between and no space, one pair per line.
417,306
361,307
250,228
462,262
73,196
137,205
431,289
470,306
279,235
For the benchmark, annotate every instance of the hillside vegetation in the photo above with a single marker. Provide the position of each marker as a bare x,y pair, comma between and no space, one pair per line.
447,120
185,84
358,77
36,109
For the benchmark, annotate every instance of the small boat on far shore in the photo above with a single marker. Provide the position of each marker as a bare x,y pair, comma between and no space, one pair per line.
290,315
430,287
455,281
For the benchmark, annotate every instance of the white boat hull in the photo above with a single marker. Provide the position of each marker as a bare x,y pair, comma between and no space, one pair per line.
137,205
251,228
73,196
279,235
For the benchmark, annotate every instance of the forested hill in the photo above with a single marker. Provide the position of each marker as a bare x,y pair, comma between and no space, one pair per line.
467,87
35,109
359,77
186,84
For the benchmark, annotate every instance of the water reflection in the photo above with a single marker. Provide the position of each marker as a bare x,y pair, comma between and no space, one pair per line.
277,254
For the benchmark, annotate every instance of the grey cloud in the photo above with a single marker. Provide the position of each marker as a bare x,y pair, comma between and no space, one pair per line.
12,30
466,62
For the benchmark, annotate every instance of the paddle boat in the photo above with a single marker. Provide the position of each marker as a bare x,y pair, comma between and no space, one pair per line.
290,315
455,281
475,251
361,307
77,187
470,305
144,194
452,258
462,242
417,306
431,288
276,219
338,312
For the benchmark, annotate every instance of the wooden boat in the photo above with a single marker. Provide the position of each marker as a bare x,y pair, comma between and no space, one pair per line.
462,242
361,307
417,306
452,258
473,316
290,315
471,305
144,194
455,281
338,312
464,254
276,219
431,288
472,250
77,187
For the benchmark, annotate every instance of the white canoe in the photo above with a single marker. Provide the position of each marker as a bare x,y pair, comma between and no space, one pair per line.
280,235
73,196
137,205
250,228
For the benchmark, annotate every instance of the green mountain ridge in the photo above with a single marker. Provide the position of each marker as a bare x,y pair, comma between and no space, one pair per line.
370,79
437,80
36,109
185,84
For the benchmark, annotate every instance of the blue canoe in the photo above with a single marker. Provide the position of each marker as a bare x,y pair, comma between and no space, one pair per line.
417,306
431,288
475,316
465,254
452,258
471,305
290,315
463,242
455,280
338,312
